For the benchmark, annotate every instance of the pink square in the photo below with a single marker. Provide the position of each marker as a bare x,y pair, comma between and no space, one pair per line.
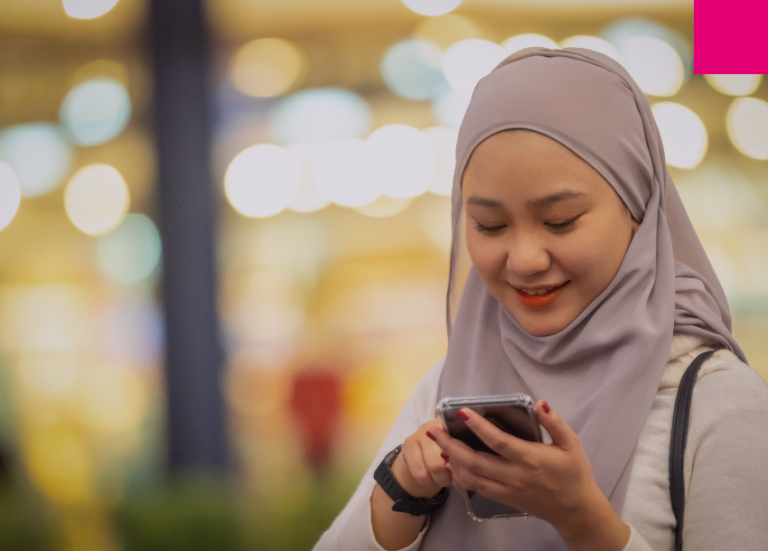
730,37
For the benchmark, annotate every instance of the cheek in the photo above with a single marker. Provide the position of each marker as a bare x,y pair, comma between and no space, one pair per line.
594,259
487,256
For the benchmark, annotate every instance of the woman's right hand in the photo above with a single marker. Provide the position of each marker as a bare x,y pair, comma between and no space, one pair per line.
422,472
420,468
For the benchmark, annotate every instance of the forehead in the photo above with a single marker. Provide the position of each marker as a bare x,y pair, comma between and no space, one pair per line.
523,165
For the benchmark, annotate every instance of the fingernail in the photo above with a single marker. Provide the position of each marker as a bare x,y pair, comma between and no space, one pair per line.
444,456
432,436
545,406
463,415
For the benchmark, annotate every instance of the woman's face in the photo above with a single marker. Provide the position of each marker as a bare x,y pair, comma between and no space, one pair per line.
545,231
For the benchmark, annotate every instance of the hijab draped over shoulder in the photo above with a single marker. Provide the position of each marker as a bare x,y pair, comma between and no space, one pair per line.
600,373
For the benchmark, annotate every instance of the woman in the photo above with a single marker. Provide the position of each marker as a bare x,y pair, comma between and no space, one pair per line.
590,290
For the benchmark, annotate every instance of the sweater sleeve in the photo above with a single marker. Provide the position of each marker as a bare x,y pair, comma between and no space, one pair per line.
727,496
352,530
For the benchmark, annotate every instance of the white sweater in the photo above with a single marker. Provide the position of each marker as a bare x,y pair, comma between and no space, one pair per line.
726,481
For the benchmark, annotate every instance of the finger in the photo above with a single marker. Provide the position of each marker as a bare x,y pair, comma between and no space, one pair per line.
414,460
474,482
458,480
463,458
436,463
449,445
562,435
506,445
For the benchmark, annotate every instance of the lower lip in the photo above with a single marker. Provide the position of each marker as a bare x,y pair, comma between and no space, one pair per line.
539,301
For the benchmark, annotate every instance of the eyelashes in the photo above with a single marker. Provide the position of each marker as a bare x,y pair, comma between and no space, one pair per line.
488,229
563,225
559,227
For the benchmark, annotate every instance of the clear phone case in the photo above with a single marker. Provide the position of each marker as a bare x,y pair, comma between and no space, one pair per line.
512,413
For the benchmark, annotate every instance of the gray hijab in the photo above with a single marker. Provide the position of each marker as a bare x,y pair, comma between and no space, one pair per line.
601,373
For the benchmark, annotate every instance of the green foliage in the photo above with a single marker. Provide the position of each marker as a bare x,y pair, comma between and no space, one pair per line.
188,514
205,514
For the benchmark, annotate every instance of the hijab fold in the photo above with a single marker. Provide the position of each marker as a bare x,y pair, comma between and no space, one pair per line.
600,373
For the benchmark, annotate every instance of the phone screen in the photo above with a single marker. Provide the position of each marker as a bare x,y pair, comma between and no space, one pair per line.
512,419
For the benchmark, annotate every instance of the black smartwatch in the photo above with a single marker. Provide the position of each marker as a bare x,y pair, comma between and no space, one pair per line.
405,502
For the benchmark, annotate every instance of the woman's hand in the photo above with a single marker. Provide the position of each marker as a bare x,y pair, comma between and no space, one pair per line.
420,469
552,482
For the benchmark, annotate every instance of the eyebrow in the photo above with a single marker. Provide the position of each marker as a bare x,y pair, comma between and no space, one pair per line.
536,203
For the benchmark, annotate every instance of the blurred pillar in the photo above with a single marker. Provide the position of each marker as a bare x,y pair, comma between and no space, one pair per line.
195,411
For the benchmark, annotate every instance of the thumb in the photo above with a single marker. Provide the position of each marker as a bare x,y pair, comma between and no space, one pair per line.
562,435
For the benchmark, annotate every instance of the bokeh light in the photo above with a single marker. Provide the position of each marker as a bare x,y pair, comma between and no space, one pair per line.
446,30
38,154
88,9
432,7
48,362
309,198
385,206
96,111
346,178
618,32
131,251
682,133
60,465
449,108
320,115
720,199
411,69
404,161
592,43
655,65
262,180
267,67
10,194
96,199
747,124
112,400
528,40
734,85
466,62
443,142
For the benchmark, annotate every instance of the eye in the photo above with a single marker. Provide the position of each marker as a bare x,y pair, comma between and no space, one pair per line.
562,225
489,229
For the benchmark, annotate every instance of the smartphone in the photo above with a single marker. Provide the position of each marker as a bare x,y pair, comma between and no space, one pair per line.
512,413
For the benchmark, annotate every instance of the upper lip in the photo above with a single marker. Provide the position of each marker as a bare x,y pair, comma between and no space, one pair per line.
538,287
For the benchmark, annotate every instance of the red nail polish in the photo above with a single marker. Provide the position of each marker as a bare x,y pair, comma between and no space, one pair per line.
545,407
432,436
444,456
463,415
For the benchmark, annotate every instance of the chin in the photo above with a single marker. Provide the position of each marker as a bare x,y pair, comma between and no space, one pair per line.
542,327
542,331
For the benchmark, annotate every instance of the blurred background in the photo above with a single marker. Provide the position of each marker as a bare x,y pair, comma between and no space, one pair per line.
224,229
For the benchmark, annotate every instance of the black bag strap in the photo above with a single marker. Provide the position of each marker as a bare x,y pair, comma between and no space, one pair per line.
677,443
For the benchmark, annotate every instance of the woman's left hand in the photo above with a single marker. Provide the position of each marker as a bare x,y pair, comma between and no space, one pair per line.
552,482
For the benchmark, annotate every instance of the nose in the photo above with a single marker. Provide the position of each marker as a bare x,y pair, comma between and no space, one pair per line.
527,255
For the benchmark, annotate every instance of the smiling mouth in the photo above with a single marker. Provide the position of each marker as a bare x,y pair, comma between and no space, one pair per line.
538,298
540,291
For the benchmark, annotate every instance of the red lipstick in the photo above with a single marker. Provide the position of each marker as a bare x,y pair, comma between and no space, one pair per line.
539,301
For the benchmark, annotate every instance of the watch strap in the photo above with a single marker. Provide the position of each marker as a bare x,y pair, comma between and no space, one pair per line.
403,501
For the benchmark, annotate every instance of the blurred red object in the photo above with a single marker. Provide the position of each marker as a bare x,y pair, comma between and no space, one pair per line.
316,405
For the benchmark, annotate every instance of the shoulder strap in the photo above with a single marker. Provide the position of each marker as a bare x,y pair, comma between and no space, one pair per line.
677,443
